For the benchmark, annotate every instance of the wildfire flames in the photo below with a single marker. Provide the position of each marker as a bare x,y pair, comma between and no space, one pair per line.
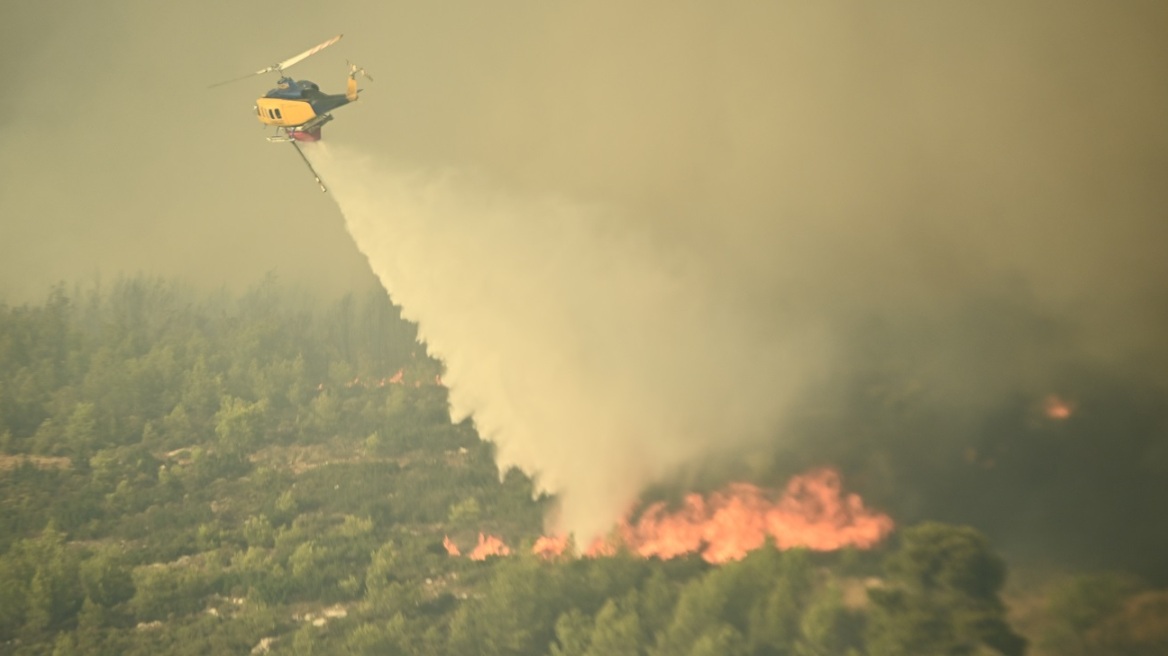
489,545
812,512
550,545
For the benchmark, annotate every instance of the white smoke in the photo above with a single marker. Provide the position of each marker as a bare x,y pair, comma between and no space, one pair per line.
594,360
775,181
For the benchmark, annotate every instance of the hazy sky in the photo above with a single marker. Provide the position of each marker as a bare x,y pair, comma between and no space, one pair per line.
805,166
1027,124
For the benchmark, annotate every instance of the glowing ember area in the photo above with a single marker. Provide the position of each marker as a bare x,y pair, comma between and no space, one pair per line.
1056,408
601,547
451,548
812,512
550,546
489,545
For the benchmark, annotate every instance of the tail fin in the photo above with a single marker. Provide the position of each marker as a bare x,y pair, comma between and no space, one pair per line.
354,71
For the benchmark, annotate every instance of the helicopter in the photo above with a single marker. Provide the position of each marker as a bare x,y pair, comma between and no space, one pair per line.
298,109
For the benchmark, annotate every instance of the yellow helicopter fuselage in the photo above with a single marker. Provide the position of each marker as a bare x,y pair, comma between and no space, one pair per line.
294,104
284,113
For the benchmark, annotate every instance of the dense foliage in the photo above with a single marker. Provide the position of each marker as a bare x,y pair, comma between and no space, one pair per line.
187,474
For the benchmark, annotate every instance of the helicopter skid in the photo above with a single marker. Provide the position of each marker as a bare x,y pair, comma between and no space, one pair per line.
299,134
308,132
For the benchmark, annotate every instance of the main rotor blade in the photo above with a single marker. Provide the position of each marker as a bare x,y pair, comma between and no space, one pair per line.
304,55
284,64
234,79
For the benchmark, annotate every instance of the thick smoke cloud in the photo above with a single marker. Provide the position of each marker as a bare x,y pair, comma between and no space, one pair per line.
788,234
590,357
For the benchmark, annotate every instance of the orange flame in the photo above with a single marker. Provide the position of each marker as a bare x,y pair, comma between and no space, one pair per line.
603,546
489,545
550,546
812,512
451,548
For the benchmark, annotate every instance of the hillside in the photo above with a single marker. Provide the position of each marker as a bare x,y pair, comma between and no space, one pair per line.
184,473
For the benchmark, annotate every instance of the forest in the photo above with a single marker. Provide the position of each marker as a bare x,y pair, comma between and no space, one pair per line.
184,472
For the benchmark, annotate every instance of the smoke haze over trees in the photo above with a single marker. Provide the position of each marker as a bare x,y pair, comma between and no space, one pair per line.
185,474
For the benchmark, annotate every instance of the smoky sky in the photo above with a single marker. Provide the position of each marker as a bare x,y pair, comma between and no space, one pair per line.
939,144
949,210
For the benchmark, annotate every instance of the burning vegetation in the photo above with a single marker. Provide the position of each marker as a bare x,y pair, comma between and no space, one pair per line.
811,512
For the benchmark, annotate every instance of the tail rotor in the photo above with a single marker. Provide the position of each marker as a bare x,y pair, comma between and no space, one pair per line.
355,70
